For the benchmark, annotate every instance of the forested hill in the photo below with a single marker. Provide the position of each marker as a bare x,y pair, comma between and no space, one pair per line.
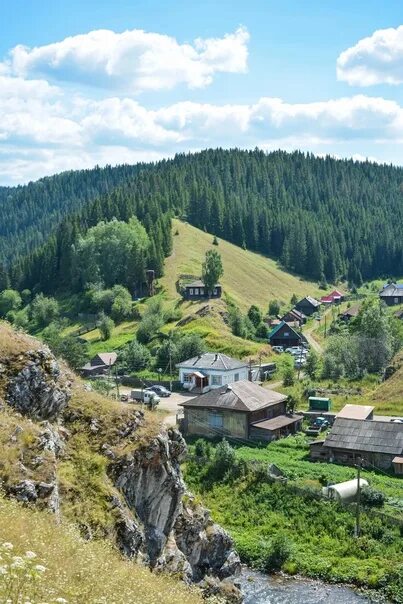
321,217
30,213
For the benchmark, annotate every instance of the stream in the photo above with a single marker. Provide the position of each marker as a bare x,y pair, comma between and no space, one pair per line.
259,588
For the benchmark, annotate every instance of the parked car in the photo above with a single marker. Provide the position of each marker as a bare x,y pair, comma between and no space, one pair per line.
160,390
278,349
298,363
124,398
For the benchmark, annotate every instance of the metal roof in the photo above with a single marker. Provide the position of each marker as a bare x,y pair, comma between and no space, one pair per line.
279,326
199,283
366,435
391,290
239,396
311,300
281,421
213,360
356,411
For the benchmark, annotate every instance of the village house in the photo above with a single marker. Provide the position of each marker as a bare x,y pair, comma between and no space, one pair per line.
285,335
378,443
211,370
241,410
335,297
294,316
100,364
308,306
198,291
392,294
350,313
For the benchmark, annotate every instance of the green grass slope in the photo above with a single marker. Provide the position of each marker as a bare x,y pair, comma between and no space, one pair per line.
249,278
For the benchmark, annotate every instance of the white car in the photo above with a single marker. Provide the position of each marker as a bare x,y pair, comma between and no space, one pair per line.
298,363
278,349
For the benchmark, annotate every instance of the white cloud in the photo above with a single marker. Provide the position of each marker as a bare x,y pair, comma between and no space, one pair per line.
134,60
377,59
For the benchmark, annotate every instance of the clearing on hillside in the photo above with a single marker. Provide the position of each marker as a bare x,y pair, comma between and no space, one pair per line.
249,278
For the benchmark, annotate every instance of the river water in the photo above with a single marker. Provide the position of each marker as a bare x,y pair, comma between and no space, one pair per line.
263,589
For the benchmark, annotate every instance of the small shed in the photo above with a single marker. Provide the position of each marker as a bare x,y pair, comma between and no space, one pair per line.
398,465
357,412
317,403
344,491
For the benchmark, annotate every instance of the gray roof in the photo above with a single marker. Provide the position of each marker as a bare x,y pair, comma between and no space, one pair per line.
366,435
392,290
276,423
239,396
108,358
213,360
199,283
311,300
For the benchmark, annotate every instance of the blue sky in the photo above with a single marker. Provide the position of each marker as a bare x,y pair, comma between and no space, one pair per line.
75,89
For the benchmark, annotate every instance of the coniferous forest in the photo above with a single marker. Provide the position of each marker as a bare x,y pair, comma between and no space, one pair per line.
320,217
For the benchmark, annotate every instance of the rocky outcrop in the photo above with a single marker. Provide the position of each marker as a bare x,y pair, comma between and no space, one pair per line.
153,516
35,386
172,531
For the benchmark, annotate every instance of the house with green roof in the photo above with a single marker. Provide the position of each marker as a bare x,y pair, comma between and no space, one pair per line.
285,335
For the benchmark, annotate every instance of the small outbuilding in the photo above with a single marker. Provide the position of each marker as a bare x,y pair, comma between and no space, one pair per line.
294,316
345,492
100,364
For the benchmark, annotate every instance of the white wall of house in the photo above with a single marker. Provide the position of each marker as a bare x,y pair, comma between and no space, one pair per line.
216,378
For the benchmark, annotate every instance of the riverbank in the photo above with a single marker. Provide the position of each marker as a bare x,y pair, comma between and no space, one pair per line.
278,528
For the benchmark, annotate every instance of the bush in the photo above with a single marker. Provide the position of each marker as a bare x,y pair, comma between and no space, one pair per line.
224,460
279,551
135,356
148,328
188,346
105,326
288,376
10,300
43,310
372,498
274,308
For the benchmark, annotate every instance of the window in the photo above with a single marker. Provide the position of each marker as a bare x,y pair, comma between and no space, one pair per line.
216,380
215,420
196,291
286,334
236,377
191,291
202,291
215,291
187,378
396,301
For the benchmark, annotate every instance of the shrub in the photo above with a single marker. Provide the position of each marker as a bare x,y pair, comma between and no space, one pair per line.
274,308
372,498
43,310
105,326
279,551
10,300
224,459
288,376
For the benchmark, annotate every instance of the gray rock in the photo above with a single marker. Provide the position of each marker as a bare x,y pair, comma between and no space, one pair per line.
37,390
24,491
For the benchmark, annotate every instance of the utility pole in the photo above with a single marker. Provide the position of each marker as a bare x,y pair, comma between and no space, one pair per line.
357,530
117,382
325,324
300,359
170,361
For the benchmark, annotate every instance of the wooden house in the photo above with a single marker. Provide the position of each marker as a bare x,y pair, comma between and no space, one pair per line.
100,364
376,442
294,316
308,306
198,291
240,410
285,335
392,294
